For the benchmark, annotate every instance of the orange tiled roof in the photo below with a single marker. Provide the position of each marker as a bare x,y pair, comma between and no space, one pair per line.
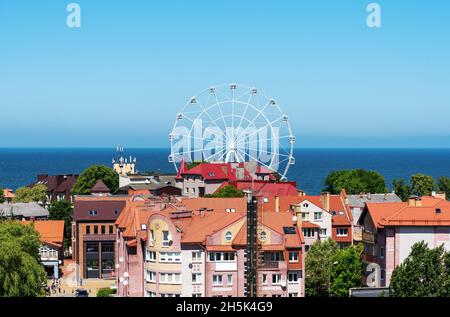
401,214
217,204
50,231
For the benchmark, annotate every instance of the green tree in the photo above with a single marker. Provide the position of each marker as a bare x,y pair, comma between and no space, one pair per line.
318,263
444,185
422,274
2,196
194,164
401,189
91,175
105,292
227,191
422,185
37,193
63,210
21,273
355,181
347,271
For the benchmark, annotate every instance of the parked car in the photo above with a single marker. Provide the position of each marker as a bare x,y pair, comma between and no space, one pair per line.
81,293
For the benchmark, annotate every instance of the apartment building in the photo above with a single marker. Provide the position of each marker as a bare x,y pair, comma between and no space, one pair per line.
391,229
201,251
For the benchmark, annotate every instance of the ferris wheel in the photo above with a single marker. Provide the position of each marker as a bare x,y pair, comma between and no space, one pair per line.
233,124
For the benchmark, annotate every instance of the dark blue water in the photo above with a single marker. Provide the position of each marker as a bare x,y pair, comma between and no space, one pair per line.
19,167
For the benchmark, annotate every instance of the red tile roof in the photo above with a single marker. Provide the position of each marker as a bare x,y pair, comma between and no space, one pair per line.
50,231
100,187
265,188
216,204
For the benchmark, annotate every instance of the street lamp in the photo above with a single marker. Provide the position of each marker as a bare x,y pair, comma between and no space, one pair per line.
329,278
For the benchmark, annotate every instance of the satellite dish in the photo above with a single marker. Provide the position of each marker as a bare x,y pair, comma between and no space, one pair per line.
117,265
125,282
125,274
294,218
121,279
121,259
190,266
283,283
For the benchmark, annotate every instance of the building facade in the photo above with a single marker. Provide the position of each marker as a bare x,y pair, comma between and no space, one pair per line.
391,229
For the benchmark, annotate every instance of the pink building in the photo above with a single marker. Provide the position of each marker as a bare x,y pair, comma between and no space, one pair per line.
198,249
391,229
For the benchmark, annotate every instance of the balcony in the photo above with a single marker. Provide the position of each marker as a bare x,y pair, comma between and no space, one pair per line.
51,255
367,258
270,264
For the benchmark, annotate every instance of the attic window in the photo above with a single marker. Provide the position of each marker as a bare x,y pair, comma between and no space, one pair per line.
211,174
143,226
265,199
438,210
93,212
116,212
341,213
305,205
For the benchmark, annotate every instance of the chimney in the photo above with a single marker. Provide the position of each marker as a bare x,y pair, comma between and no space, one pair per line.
277,204
414,201
297,209
325,200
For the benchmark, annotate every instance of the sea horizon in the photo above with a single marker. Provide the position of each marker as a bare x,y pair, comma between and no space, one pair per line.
20,166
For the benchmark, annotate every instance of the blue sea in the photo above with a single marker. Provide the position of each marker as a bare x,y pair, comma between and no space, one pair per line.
19,167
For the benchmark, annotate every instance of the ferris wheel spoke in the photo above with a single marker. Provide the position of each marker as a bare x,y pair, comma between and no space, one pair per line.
254,119
257,160
246,108
262,140
267,125
215,154
209,116
220,109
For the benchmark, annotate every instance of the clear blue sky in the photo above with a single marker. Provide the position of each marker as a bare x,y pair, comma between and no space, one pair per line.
125,74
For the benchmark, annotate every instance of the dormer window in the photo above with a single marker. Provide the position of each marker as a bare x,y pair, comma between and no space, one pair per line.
438,210
306,205
211,174
93,212
228,236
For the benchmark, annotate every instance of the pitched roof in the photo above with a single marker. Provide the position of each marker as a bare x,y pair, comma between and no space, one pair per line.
265,188
361,199
401,214
26,210
50,231
106,207
216,204
100,187
8,193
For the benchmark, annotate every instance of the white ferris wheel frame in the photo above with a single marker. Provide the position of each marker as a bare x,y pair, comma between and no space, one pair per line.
239,140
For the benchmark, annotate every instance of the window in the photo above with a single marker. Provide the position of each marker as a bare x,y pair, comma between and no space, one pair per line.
308,232
293,256
165,238
383,275
152,237
93,212
151,277
263,236
88,229
221,256
276,295
170,257
196,277
169,295
217,280
95,229
196,295
264,279
304,215
275,256
342,232
276,279
196,256
317,216
149,294
103,229
322,232
186,190
306,205
381,252
230,279
228,236
293,277
111,229
293,295
169,278
151,256
193,190
306,248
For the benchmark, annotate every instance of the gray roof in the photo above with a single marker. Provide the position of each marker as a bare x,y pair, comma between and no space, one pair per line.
25,210
153,183
362,199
